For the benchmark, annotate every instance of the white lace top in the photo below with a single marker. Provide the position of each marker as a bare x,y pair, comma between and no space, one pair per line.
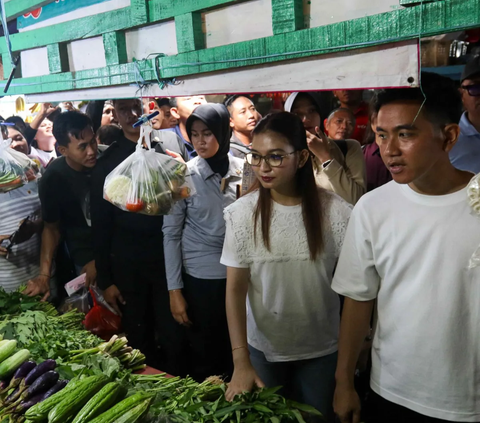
292,312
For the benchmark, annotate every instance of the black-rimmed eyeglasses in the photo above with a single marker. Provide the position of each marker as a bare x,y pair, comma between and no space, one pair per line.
273,160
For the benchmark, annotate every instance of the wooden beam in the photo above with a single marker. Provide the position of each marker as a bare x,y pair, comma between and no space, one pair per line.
287,16
189,32
57,58
115,48
90,26
16,8
139,12
166,9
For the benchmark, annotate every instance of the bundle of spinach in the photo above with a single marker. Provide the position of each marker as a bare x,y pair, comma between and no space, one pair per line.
16,302
48,336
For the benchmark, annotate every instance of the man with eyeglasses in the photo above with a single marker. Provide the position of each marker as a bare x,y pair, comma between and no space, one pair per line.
465,155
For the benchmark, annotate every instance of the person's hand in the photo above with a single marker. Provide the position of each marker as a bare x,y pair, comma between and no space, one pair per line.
178,307
346,404
319,145
175,156
244,379
114,298
46,109
69,107
3,251
27,230
91,273
38,286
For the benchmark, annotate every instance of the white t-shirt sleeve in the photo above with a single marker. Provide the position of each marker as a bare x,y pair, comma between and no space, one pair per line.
230,255
356,276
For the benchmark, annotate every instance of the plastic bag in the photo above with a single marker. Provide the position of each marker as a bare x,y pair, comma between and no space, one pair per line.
79,300
16,169
147,182
101,320
473,192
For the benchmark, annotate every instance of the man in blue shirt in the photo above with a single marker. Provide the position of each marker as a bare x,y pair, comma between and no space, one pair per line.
182,108
465,155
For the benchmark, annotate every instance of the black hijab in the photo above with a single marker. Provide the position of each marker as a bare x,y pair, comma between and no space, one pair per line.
217,119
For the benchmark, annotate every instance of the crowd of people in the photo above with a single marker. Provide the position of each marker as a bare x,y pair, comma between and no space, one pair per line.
355,227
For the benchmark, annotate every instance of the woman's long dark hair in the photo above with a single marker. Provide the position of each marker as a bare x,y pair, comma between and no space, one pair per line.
291,127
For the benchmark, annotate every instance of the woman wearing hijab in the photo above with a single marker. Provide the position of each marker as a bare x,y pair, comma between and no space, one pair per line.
193,240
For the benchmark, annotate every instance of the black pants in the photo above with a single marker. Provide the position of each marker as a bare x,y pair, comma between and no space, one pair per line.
383,411
146,320
209,350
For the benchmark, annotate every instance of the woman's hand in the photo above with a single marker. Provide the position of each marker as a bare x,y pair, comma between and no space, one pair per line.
319,145
178,307
244,379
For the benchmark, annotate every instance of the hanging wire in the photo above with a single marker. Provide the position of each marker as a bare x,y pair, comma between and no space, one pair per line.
3,17
420,73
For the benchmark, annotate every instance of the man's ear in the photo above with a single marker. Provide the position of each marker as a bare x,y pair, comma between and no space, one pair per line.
62,150
114,113
174,112
232,125
451,133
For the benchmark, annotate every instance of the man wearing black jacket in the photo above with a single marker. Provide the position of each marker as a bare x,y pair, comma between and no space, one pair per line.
129,256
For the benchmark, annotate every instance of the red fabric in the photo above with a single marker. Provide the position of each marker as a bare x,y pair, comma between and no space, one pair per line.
151,371
361,116
377,172
101,321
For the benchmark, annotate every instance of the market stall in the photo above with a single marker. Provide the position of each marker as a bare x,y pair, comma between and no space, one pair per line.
53,370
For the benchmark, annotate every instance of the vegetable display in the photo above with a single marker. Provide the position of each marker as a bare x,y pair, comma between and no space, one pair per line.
16,169
147,182
90,381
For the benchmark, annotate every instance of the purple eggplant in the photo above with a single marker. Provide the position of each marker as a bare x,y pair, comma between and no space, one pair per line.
21,373
42,384
25,405
12,397
56,388
38,371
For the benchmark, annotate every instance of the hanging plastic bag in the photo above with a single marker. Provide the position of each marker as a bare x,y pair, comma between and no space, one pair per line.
77,301
147,182
473,193
100,320
16,169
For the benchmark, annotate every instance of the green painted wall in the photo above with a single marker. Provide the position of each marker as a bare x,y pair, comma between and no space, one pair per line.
427,18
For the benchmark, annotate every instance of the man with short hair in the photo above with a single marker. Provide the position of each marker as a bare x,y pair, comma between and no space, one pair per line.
465,154
164,106
243,119
406,252
129,255
64,192
353,100
182,108
340,124
166,138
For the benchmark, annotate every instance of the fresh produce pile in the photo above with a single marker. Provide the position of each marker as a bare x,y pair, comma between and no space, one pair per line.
147,182
16,169
81,379
180,400
116,348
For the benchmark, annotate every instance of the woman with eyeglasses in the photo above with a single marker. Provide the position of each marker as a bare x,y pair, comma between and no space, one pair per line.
193,240
281,245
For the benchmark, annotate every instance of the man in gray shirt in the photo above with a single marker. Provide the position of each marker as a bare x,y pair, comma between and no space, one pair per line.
167,139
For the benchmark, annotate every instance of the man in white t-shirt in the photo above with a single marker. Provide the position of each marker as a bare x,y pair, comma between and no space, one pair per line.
407,248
